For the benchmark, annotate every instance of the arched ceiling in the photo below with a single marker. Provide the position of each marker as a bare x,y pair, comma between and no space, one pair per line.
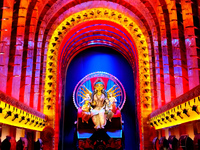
103,31
147,33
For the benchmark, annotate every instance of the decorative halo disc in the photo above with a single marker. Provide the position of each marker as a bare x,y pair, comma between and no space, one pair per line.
109,80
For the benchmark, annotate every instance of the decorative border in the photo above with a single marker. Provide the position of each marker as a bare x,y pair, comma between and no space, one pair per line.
16,113
184,108
15,103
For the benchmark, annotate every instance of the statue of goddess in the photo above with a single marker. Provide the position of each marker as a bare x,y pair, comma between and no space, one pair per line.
98,102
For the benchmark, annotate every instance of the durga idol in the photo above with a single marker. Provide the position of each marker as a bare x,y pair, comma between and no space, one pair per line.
99,96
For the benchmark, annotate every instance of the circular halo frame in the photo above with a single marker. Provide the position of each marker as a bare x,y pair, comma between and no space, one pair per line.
99,74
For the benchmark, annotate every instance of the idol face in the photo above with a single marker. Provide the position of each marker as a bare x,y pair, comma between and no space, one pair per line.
99,86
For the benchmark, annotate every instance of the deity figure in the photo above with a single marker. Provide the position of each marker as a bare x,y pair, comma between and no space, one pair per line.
110,106
86,108
98,103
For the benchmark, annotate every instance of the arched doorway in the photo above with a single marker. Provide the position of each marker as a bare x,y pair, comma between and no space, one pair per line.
100,59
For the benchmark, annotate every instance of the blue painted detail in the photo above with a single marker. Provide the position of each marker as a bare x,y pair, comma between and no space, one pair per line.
92,60
84,134
115,134
111,133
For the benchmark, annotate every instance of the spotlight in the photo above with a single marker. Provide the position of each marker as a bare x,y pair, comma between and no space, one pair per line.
52,50
9,113
48,106
50,84
54,44
173,117
22,118
50,77
120,16
32,121
185,111
151,124
51,57
85,15
48,99
56,38
179,114
167,118
67,23
63,27
163,120
131,24
155,123
36,123
78,17
159,121
196,109
50,63
27,120
15,117
49,91
50,69
72,20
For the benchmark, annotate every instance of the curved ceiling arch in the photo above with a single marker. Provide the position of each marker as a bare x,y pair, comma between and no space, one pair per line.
98,37
84,28
75,35
66,27
91,30
73,4
93,43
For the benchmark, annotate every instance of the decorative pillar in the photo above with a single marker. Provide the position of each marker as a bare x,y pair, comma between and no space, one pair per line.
5,132
37,135
19,133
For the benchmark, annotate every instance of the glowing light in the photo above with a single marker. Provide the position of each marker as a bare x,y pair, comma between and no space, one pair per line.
185,112
11,115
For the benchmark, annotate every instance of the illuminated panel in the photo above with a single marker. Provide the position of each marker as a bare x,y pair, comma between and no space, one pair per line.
15,113
183,113
26,71
6,26
19,26
190,42
179,111
177,64
169,81
165,55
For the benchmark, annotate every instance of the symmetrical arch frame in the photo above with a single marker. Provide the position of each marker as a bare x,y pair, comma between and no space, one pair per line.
58,57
